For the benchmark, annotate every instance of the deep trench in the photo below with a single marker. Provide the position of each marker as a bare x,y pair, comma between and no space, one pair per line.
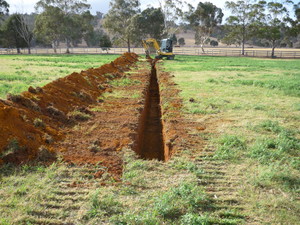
151,138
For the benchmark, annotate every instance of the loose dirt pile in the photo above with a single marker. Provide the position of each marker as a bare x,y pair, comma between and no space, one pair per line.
31,122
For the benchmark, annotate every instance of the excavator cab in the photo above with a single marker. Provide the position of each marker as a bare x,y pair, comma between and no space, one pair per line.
166,45
165,50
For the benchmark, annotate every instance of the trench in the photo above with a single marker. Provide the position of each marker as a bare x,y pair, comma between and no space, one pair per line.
151,139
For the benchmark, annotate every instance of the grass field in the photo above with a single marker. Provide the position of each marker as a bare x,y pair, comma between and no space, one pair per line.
250,109
253,107
18,72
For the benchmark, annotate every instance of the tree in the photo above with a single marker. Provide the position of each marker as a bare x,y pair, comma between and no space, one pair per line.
23,30
48,26
295,24
4,8
12,37
119,20
105,42
181,41
204,19
70,20
172,12
174,39
149,24
273,29
97,38
214,43
241,24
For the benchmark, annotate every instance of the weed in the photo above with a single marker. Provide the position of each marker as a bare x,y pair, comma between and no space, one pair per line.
145,217
55,112
187,197
48,139
183,164
193,219
78,115
12,147
269,176
270,126
109,76
268,150
229,147
101,87
103,206
100,99
211,80
39,123
98,109
44,155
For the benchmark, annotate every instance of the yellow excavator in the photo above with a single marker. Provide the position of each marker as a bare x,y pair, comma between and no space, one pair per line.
165,50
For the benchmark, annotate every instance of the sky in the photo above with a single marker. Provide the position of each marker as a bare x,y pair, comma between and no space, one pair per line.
27,6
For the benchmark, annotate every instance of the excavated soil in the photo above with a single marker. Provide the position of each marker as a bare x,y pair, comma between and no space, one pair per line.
43,124
32,121
40,124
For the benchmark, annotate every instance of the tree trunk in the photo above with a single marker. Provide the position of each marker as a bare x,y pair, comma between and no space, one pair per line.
243,47
243,39
29,50
128,44
18,51
68,46
273,49
54,45
202,48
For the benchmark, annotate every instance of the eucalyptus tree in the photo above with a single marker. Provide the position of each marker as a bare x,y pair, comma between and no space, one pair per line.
11,34
204,19
274,28
241,25
4,8
66,20
119,21
149,24
172,11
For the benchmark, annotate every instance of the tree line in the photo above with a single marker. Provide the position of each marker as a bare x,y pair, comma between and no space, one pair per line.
262,23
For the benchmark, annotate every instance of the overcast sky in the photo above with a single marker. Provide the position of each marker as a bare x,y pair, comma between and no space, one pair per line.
27,6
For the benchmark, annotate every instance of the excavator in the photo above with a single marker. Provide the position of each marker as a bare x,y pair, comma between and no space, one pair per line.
165,50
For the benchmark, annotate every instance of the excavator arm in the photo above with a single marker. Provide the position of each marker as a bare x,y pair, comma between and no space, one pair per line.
160,54
147,47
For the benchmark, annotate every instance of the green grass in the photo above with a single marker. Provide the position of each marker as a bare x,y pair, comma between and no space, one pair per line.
252,106
20,72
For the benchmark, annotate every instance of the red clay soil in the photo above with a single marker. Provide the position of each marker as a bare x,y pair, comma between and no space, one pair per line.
116,122
20,115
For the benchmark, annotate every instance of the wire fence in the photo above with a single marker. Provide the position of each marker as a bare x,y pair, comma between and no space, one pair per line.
279,53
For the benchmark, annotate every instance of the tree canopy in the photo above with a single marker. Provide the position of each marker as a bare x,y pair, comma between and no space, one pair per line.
204,19
12,36
4,8
119,22
66,20
149,23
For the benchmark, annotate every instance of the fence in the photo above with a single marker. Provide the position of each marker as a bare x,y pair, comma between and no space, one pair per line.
279,53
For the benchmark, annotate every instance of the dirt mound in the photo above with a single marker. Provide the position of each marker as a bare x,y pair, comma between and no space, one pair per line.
32,121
